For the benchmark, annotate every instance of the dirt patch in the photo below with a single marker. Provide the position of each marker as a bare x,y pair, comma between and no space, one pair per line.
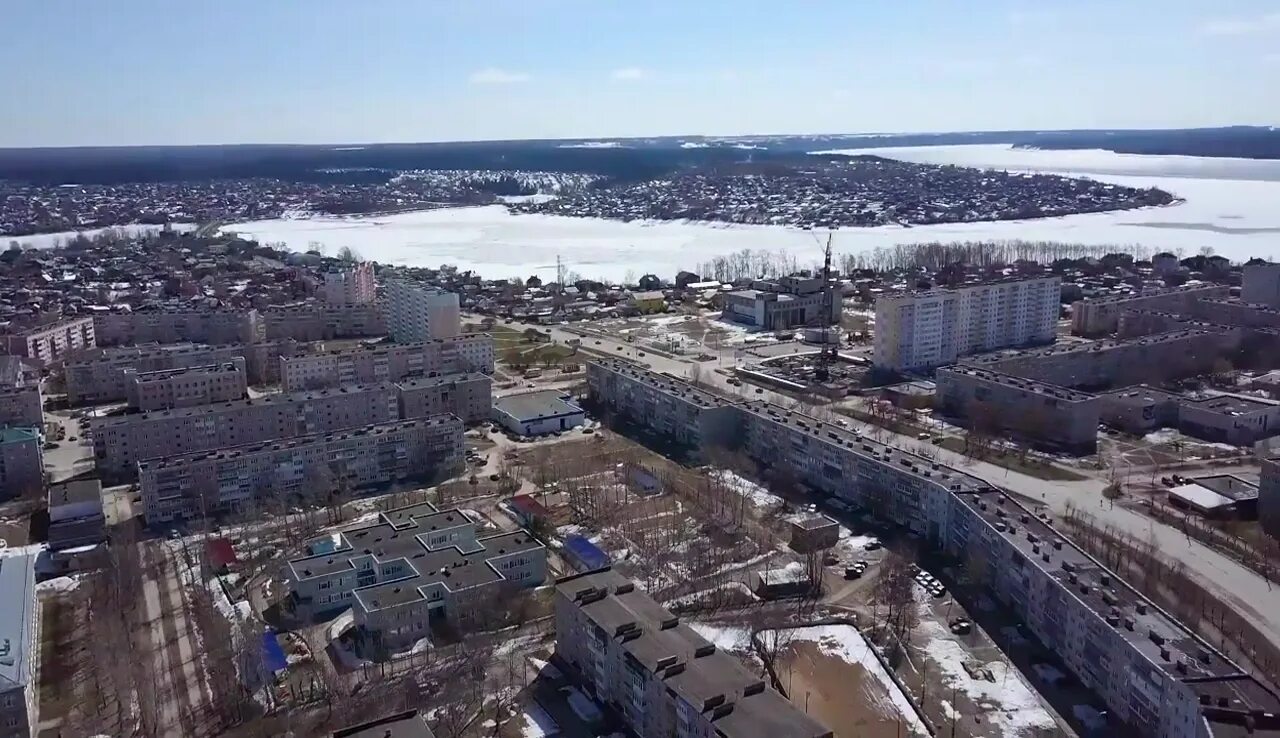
842,696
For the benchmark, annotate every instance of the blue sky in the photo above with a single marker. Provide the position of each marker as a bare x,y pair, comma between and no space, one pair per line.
319,71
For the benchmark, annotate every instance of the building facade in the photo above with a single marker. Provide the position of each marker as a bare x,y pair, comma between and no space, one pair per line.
21,406
120,442
1101,316
21,462
925,329
178,326
107,376
1045,414
1260,283
418,312
188,387
413,569
19,647
789,302
353,285
538,413
305,468
468,396
51,343
76,517
392,362
1269,495
684,414
323,322
657,673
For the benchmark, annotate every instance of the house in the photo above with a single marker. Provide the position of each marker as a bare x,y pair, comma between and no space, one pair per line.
652,301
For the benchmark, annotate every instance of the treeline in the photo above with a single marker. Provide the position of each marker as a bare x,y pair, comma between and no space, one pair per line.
750,264
935,255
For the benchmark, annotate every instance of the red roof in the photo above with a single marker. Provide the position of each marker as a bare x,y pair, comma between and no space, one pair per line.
528,507
220,552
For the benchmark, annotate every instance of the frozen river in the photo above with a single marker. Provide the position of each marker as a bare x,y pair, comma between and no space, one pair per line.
1229,205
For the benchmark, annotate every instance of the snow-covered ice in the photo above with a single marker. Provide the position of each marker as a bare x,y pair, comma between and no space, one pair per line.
48,240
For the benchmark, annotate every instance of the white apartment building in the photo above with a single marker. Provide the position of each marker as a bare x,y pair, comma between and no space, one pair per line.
19,647
1260,283
296,470
1101,315
925,329
689,416
413,569
1045,414
468,396
354,285
189,386
392,362
418,312
50,343
662,677
121,441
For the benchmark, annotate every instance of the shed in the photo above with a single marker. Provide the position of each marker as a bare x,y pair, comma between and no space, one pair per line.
583,554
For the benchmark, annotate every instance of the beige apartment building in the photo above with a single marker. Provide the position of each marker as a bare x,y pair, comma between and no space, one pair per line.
51,343
121,441
1046,414
107,376
298,470
920,330
353,285
189,387
691,417
391,362
413,570
665,680
178,326
22,406
319,322
1100,316
420,312
468,396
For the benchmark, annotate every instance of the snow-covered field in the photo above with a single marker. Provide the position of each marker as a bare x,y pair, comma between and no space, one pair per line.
48,240
1229,205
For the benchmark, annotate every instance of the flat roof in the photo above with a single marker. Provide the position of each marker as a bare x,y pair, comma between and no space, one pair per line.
536,405
1229,485
386,348
401,725
222,367
1199,496
79,490
1233,404
1008,380
280,399
18,435
441,379
1182,289
17,615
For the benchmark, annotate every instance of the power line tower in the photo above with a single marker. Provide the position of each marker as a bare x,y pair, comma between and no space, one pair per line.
828,354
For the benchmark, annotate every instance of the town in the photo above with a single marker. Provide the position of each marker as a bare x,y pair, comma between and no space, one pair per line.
304,493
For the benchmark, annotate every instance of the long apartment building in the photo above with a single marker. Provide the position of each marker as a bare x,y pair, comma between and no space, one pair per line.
108,376
189,486
19,647
50,343
468,352
121,441
1112,362
21,462
415,567
212,326
1100,316
188,387
921,330
352,285
321,322
21,406
1046,414
419,312
680,412
657,673
1152,672
467,395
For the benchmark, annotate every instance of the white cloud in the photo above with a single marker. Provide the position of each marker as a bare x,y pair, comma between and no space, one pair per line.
629,74
1242,26
495,76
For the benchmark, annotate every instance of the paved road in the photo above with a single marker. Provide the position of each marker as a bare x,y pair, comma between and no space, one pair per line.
1254,597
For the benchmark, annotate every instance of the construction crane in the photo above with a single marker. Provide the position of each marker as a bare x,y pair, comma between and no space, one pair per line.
828,355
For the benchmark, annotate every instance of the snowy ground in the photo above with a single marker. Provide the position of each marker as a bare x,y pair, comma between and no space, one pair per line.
47,240
1009,702
1229,206
759,497
736,639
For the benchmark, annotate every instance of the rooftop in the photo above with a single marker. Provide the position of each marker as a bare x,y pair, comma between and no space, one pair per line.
17,619
1233,404
225,367
1191,287
1026,385
401,725
73,492
442,379
1085,347
536,405
19,435
280,399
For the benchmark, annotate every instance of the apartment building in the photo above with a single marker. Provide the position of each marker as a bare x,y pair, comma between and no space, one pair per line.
1152,672
188,387
1047,415
76,517
323,322
51,343
19,647
657,673
304,468
418,312
121,441
414,568
17,371
21,462
21,406
1269,495
1112,362
108,376
690,417
392,362
789,302
921,330
468,396
1260,283
352,285
178,326
1101,315
1227,418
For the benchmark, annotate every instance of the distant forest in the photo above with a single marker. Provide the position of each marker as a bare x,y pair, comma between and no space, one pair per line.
629,160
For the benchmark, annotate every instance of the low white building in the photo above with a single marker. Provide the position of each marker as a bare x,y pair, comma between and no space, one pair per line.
537,413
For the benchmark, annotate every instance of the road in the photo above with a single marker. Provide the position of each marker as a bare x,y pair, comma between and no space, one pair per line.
170,633
1234,584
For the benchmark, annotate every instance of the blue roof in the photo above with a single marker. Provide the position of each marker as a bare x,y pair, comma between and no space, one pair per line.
588,555
272,654
10,435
